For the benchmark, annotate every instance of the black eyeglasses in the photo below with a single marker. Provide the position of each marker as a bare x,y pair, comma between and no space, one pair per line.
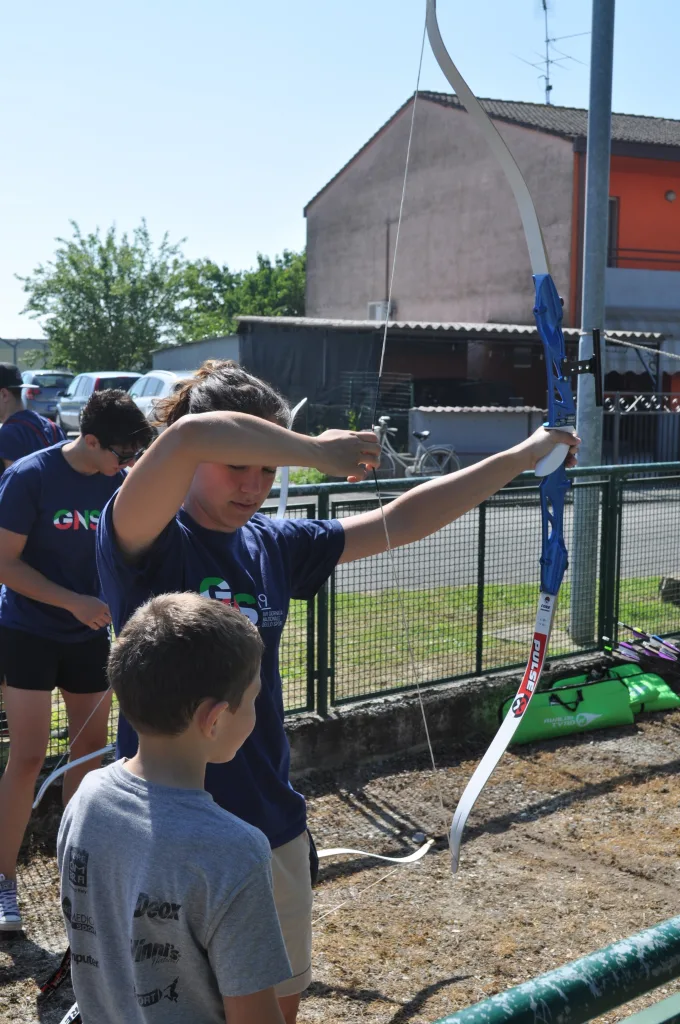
123,457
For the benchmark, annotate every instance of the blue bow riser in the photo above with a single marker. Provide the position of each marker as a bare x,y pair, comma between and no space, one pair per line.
561,413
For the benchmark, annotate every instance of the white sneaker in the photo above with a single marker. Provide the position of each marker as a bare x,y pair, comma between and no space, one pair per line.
10,918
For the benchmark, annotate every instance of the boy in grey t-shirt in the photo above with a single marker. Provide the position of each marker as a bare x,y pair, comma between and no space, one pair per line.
167,897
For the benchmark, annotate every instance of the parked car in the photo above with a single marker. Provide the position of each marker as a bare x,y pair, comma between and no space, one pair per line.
154,385
46,385
70,403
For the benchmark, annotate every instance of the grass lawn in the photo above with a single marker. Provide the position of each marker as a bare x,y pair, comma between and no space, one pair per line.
369,647
371,654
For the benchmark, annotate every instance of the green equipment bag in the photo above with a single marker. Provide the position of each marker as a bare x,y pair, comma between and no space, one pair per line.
629,668
661,699
667,698
648,691
642,692
575,705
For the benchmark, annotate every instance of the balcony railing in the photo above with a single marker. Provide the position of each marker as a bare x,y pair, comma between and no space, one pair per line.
644,259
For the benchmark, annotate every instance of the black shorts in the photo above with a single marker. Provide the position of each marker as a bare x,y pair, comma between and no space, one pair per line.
33,662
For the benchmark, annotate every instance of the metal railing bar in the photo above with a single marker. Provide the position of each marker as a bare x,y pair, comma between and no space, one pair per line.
584,989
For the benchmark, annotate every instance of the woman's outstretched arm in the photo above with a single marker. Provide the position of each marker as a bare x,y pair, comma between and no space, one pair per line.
427,508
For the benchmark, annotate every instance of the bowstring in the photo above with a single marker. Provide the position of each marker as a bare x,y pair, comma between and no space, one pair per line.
411,658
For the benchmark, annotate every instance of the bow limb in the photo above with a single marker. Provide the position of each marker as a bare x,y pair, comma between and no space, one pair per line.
561,415
73,1016
538,254
532,229
58,772
410,859
285,472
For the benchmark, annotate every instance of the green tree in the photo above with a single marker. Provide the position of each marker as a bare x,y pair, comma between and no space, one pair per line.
214,296
106,302
210,300
275,290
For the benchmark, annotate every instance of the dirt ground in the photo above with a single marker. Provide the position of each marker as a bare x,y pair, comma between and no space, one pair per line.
573,845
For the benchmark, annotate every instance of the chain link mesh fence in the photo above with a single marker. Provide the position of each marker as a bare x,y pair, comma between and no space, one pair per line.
467,594
648,569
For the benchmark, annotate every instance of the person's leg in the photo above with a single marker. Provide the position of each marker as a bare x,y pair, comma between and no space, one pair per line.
28,721
29,666
289,1006
84,687
293,897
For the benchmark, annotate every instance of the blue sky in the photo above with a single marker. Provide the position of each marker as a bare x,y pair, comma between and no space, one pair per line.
218,121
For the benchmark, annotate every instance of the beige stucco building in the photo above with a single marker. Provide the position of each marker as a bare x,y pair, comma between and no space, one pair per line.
462,252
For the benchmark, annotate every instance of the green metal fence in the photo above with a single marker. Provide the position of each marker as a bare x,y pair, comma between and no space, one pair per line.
593,985
468,593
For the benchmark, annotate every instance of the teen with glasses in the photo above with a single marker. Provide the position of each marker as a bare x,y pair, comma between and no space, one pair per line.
53,623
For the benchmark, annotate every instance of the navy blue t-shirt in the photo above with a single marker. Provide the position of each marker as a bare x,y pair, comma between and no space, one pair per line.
24,432
57,509
259,567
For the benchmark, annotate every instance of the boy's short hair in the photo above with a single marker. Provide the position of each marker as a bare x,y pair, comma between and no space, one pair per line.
114,419
176,651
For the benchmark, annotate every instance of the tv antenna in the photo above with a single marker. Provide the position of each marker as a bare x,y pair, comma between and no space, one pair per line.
553,57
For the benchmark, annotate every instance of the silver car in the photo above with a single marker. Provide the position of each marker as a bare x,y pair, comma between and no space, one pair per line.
153,386
71,402
45,387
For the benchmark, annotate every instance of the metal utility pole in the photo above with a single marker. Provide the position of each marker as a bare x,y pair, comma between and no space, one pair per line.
589,416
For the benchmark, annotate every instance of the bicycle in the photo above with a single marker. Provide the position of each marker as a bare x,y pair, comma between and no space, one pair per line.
433,461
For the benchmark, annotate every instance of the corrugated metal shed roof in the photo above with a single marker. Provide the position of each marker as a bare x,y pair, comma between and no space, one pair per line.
464,330
478,408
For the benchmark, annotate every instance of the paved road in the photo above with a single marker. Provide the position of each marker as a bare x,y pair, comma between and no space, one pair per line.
650,547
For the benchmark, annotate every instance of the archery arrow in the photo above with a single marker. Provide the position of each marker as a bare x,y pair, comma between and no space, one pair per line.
653,638
561,415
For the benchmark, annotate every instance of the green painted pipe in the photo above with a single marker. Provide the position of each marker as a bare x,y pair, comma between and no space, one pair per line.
588,987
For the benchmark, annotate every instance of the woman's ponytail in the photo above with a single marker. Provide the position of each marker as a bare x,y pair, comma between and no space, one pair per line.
223,385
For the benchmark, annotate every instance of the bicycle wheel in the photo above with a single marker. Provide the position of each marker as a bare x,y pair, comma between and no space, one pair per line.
437,461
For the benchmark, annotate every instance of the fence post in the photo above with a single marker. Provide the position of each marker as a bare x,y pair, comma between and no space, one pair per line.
617,523
481,565
617,429
322,665
609,559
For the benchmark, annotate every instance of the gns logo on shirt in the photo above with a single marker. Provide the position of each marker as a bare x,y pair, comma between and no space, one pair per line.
64,519
219,590
257,610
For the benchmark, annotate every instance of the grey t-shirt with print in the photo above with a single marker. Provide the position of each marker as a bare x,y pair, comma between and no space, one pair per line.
167,900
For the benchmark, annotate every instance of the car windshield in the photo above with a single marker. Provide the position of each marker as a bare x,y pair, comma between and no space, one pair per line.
52,380
123,382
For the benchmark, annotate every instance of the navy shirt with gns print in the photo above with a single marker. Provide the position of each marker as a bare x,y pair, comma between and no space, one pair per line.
258,568
57,509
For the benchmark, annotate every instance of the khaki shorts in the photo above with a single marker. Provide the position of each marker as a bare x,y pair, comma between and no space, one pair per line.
293,898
